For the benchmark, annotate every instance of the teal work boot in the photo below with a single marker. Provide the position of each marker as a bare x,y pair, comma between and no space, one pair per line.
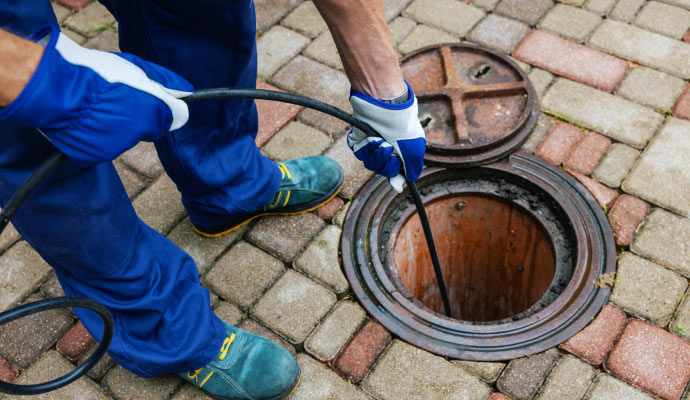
248,366
307,184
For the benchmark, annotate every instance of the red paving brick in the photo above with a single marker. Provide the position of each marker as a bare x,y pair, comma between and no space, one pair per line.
355,360
273,115
572,60
604,195
559,143
74,4
651,359
8,372
499,396
75,343
625,216
587,152
328,210
593,343
686,37
682,107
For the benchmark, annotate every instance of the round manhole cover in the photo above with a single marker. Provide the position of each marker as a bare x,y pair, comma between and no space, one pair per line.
478,105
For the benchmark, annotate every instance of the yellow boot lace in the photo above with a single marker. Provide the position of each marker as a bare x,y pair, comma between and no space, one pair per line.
223,352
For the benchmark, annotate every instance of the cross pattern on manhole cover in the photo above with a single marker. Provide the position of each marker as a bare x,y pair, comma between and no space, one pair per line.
472,98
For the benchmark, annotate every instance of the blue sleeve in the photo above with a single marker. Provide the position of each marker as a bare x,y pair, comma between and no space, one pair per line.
23,17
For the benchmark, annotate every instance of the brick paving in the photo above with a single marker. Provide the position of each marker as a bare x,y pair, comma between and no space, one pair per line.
612,80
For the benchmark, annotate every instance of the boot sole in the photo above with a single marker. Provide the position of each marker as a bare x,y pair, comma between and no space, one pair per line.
297,211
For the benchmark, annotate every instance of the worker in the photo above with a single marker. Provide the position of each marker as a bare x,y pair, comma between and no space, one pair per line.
93,105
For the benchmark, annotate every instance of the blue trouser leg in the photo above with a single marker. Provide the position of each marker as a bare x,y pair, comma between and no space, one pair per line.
213,159
82,223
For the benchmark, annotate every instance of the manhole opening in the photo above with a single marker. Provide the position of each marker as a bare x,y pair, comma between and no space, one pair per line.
497,260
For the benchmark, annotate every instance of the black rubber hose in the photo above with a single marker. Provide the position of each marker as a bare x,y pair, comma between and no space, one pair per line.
224,93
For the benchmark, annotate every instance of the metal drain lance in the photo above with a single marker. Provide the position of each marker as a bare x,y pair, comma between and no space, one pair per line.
56,160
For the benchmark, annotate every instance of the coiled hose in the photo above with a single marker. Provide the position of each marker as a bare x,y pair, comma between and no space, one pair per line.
56,159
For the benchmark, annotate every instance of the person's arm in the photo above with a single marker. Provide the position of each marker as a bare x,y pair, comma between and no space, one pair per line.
364,42
18,61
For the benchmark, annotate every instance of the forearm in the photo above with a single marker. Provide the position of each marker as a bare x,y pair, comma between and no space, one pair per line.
18,61
363,40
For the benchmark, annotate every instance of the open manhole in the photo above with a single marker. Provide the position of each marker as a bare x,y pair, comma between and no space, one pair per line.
520,242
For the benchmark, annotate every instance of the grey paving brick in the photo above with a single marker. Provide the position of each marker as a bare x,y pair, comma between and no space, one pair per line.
625,10
393,8
569,379
571,22
663,18
9,237
285,236
319,382
53,366
132,182
143,158
486,371
612,116
601,7
423,35
499,33
296,140
189,392
22,270
647,48
406,372
306,20
104,41
680,325
665,239
325,123
615,164
22,341
355,175
90,19
662,175
607,387
541,80
523,376
51,287
124,385
243,274
487,5
529,11
339,218
647,289
310,78
541,129
256,328
651,88
320,260
324,51
203,250
400,28
450,15
228,313
334,331
268,12
76,37
102,366
680,3
160,206
294,306
61,12
276,47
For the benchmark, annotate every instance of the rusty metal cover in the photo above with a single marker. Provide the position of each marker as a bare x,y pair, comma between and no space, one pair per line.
479,105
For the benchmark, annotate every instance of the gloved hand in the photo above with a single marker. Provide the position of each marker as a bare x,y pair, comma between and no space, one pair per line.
401,145
94,105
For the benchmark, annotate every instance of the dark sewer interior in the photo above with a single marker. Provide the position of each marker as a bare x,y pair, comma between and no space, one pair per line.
497,260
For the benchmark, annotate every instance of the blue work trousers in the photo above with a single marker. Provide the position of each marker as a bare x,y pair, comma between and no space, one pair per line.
80,219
